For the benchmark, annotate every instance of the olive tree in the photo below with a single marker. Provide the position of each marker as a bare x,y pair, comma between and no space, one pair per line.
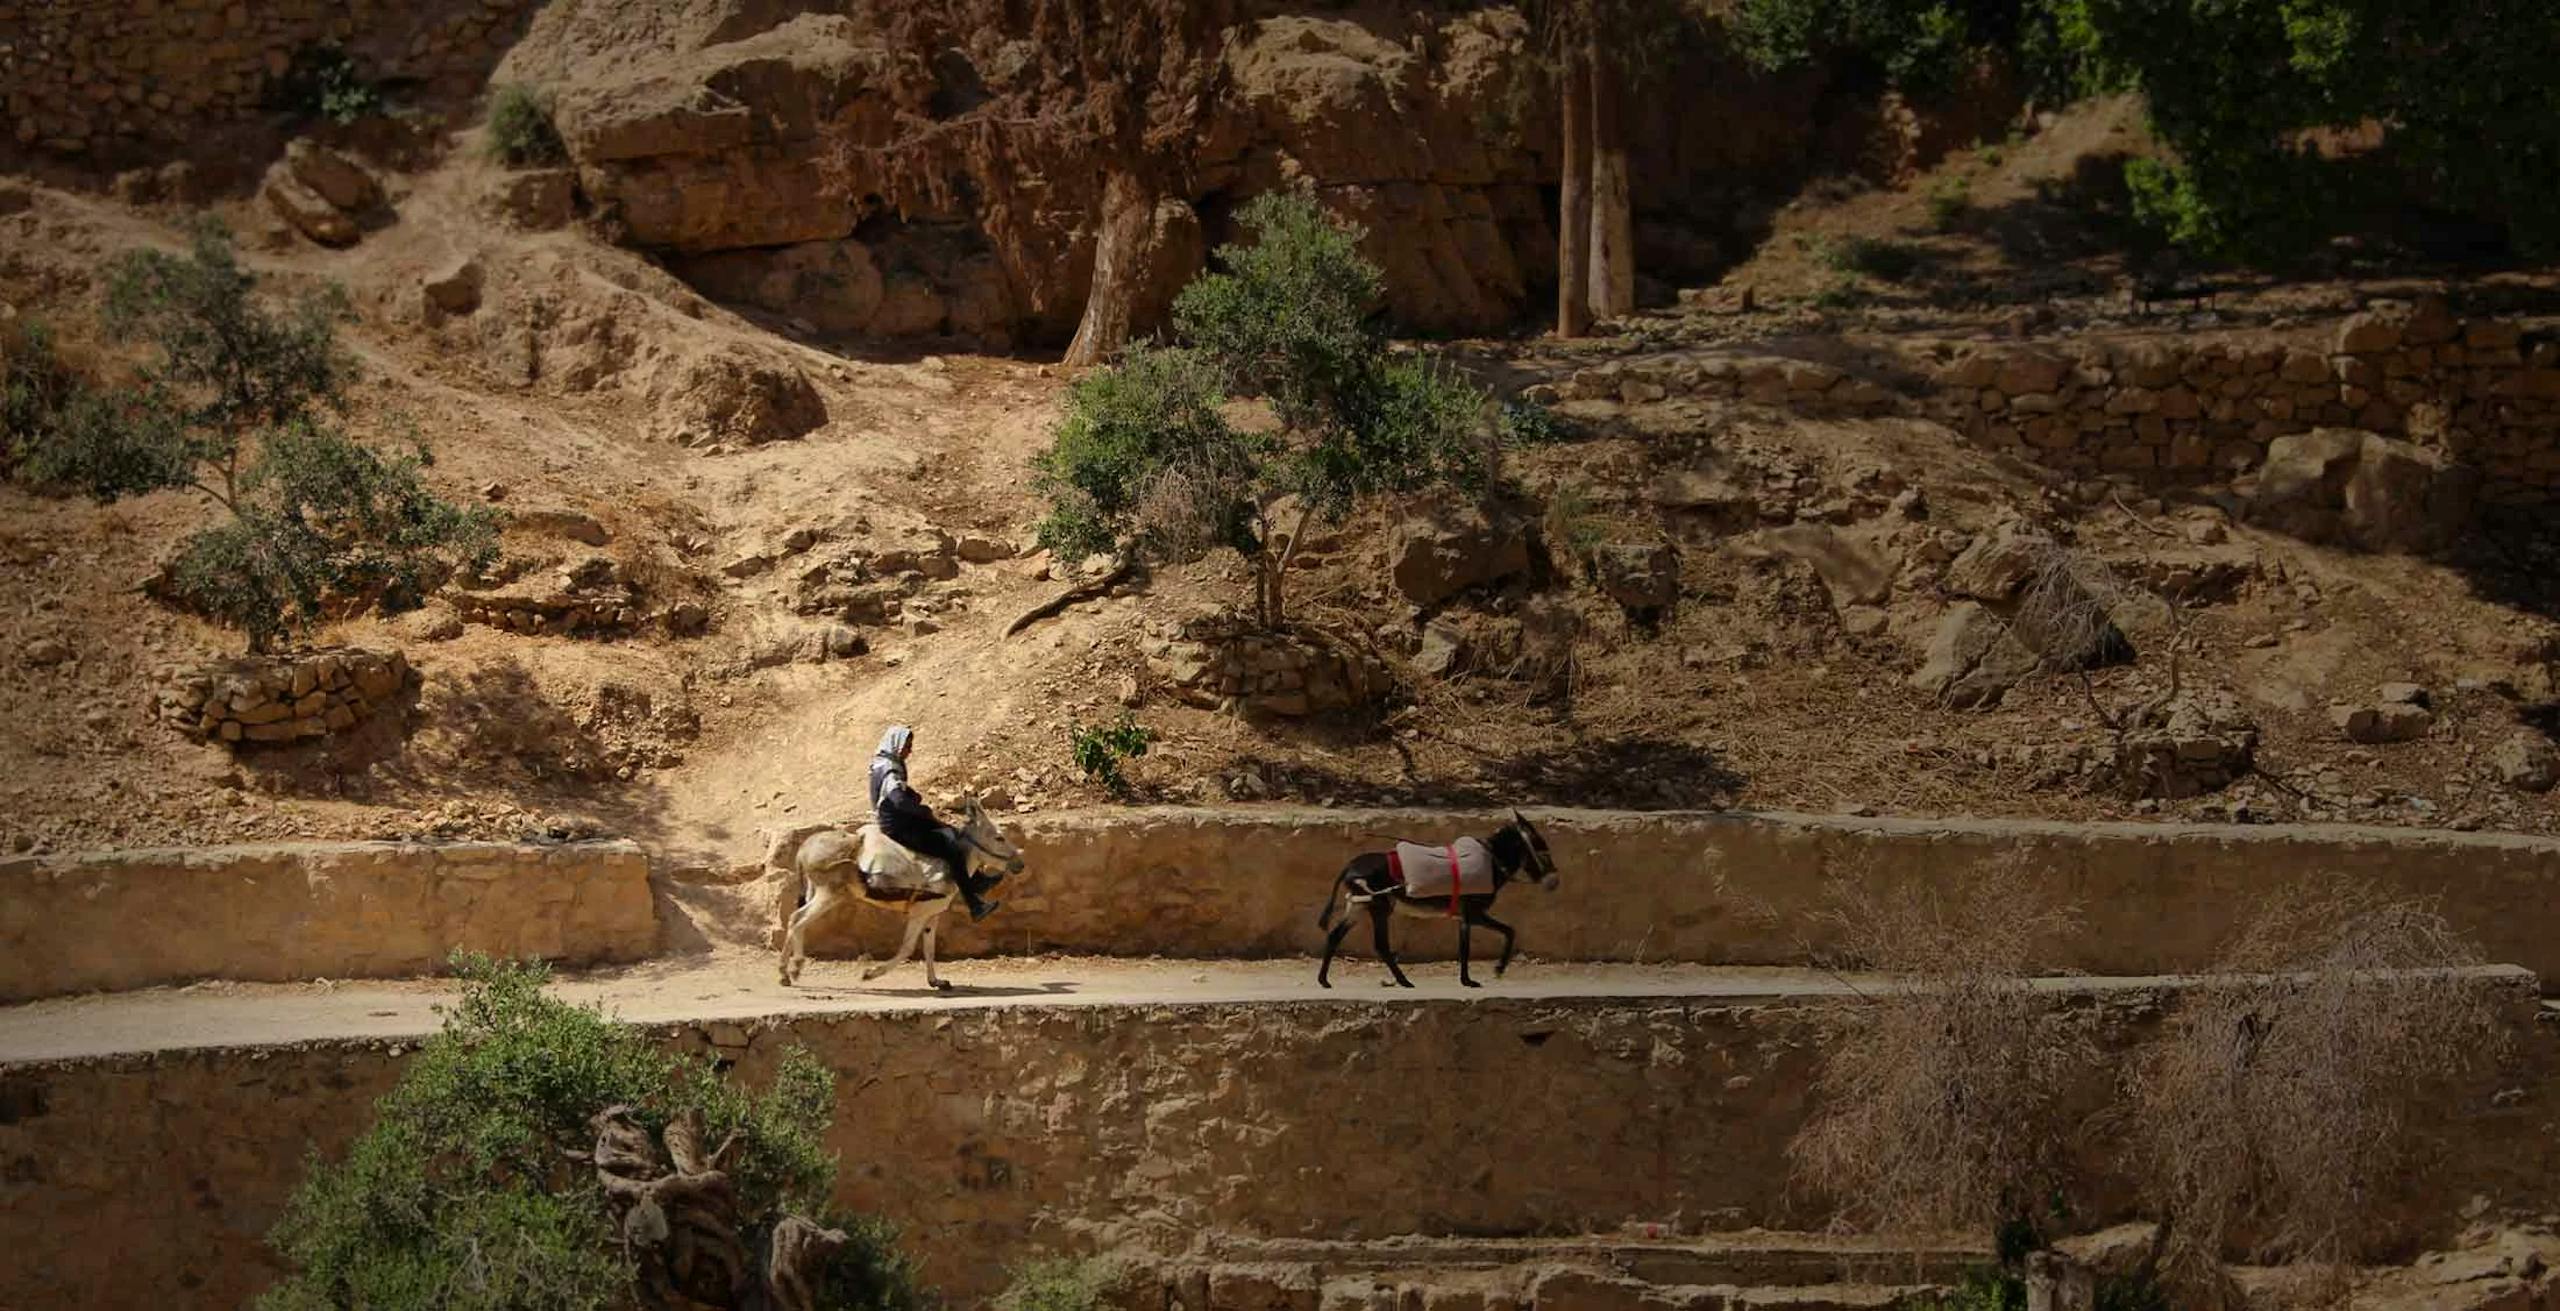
536,1154
244,402
1145,458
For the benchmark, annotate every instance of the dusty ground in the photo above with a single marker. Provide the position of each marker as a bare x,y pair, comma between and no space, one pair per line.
732,985
1750,695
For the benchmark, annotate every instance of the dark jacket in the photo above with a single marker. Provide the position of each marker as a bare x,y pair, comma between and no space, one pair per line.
901,814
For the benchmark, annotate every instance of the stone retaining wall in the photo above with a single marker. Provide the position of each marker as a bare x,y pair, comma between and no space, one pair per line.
2172,409
285,698
90,76
987,1133
133,919
2187,409
1731,888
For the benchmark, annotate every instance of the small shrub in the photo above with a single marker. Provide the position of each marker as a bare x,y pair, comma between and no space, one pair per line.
1945,1108
1890,261
41,395
2278,1111
521,133
1573,526
872,1272
1950,199
1993,156
468,1190
1143,459
242,404
1054,1284
322,82
1527,423
1098,749
1982,1290
1841,292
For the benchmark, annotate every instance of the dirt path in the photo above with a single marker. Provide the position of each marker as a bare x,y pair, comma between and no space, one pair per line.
738,985
733,985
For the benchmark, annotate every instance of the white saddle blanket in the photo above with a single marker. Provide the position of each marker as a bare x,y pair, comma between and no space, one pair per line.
885,864
1426,869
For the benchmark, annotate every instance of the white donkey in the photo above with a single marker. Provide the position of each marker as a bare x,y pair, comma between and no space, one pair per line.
831,866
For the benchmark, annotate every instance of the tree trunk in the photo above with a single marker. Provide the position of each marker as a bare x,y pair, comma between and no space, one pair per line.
1613,235
1573,217
1120,253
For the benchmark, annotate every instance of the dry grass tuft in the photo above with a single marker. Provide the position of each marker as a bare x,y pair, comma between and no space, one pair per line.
2272,1111
1944,1111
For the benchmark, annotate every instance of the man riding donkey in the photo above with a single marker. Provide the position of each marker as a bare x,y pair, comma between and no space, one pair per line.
905,819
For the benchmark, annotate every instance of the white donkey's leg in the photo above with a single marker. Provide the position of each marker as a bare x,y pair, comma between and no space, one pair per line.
932,931
915,930
821,900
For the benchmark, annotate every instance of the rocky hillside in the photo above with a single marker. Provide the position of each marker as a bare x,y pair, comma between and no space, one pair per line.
1793,538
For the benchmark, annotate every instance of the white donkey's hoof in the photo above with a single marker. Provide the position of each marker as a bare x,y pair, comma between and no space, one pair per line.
940,985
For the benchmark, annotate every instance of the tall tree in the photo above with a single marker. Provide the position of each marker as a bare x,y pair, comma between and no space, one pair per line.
1573,220
1598,50
1613,229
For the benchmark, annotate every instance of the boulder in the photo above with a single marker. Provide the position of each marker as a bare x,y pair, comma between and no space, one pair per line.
2404,497
2391,722
1999,562
1443,651
336,179
455,290
538,200
1442,549
2360,488
2526,761
305,211
1973,659
686,619
978,548
1641,576
1851,570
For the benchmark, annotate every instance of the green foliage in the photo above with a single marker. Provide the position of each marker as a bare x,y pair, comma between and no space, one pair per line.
872,1272
1143,458
2240,89
45,404
1054,1284
1990,1289
2472,113
1573,524
322,82
1098,749
464,1192
1842,292
1950,199
241,403
1288,316
1527,423
1136,431
521,133
1890,261
2131,1292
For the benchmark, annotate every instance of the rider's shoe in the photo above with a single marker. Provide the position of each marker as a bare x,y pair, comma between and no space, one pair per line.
979,910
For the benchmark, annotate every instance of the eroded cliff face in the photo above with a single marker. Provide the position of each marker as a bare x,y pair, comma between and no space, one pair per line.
893,168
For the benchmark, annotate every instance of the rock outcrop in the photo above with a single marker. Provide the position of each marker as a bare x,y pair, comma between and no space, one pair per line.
1441,550
967,145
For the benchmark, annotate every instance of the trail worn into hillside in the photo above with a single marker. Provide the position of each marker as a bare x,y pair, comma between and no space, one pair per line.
737,987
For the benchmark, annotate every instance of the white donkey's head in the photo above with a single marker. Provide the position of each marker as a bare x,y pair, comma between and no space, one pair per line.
987,842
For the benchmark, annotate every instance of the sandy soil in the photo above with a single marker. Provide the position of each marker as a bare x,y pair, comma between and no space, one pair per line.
738,985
